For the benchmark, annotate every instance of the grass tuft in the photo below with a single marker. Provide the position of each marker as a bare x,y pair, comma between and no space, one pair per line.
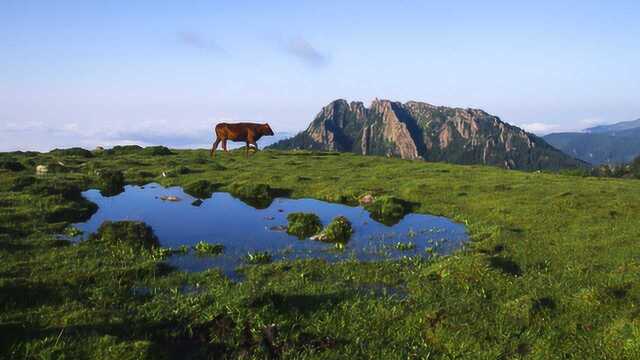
303,225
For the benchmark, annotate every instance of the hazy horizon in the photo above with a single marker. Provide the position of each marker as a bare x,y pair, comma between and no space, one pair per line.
86,74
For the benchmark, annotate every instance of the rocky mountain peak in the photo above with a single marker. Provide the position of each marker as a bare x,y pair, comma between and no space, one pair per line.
418,130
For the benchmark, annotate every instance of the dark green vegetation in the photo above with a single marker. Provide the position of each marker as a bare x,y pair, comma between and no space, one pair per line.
133,234
417,130
405,246
201,189
258,195
74,151
552,270
11,165
260,257
631,170
388,209
338,231
610,144
111,182
303,225
205,248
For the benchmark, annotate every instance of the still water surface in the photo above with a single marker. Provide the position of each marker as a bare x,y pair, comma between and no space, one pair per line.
223,219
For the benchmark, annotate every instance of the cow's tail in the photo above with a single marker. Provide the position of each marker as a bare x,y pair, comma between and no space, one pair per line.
217,129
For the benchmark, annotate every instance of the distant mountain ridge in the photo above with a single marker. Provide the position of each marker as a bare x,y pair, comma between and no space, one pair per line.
606,144
418,130
621,126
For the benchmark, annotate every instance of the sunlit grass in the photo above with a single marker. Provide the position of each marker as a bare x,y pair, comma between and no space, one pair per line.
552,269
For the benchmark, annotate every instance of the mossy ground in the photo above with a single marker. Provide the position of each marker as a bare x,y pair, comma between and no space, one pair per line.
552,271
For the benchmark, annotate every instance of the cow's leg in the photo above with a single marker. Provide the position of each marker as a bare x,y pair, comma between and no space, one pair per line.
224,145
215,146
250,140
246,154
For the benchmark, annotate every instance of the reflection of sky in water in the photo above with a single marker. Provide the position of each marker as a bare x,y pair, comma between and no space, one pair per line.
241,228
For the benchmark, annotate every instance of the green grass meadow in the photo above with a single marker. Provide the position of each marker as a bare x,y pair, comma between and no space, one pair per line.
552,269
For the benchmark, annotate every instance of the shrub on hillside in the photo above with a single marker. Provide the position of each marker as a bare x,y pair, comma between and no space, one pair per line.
123,150
74,151
156,151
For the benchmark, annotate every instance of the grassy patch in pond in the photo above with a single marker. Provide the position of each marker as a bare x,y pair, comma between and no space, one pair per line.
205,248
339,230
260,257
303,225
387,209
111,182
132,233
405,246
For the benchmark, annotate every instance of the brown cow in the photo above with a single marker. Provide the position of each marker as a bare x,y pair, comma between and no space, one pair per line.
247,132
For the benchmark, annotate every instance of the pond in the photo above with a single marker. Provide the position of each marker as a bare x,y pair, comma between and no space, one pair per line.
242,229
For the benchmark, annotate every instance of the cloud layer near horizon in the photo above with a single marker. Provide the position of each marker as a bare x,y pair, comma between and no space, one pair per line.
44,138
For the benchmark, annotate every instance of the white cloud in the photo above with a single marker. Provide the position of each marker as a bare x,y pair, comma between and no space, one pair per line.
307,53
541,128
198,41
591,122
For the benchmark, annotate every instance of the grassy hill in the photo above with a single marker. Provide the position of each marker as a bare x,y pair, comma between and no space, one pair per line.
552,270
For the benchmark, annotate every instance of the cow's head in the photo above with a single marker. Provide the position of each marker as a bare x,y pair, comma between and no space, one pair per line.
265,129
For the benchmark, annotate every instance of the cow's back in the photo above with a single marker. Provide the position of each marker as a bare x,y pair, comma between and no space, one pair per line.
236,131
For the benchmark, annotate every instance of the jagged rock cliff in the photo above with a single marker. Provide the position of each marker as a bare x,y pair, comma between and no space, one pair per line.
417,130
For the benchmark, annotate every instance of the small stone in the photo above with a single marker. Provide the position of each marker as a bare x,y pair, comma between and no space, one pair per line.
169,198
319,237
278,228
42,169
197,202
366,199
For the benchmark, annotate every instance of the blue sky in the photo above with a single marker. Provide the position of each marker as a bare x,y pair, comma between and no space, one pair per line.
104,72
